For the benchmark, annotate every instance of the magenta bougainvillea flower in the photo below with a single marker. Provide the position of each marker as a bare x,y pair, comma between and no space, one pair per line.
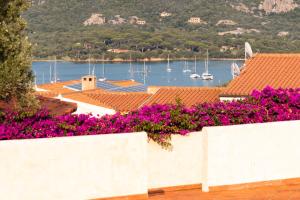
159,121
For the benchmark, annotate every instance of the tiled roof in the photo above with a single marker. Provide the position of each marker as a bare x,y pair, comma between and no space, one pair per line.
54,106
46,94
58,88
122,102
275,70
188,95
57,107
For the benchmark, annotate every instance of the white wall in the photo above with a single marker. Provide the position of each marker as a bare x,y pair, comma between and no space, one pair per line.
251,153
85,108
181,166
84,167
231,98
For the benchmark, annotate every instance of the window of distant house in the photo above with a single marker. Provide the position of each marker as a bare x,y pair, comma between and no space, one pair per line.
84,79
90,79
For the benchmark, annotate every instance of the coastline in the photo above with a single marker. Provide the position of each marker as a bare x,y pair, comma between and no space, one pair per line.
137,60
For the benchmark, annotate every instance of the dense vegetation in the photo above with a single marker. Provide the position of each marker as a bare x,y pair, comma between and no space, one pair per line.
15,56
159,121
56,28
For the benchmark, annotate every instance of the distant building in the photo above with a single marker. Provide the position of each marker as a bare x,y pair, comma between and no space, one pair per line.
165,14
95,19
117,20
87,45
196,20
283,34
118,50
133,19
141,22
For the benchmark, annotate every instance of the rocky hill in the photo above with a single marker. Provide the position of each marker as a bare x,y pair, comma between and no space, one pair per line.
77,28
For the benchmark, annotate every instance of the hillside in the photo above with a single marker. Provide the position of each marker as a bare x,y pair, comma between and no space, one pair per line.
77,28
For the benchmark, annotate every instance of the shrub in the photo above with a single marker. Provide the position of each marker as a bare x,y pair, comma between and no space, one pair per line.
159,121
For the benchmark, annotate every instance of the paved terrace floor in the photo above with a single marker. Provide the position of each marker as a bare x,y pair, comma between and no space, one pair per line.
282,192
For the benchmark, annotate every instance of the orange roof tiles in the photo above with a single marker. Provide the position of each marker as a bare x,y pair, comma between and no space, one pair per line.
188,95
58,88
121,102
275,70
46,94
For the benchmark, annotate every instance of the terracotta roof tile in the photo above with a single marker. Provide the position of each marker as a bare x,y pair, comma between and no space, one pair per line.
188,95
55,107
46,94
58,88
122,102
275,70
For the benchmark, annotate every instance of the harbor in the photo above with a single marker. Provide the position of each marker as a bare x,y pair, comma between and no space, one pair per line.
147,73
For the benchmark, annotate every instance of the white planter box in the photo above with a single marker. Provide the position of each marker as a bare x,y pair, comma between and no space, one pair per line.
83,167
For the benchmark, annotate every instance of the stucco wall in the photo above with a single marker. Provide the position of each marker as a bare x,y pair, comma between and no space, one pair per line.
84,167
251,153
181,166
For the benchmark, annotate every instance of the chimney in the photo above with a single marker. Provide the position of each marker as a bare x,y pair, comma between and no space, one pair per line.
88,82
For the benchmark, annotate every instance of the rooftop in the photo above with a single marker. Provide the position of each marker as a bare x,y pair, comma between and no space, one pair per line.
188,95
55,106
275,70
58,88
122,102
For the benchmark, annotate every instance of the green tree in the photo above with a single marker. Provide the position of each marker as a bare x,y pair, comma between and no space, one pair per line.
16,76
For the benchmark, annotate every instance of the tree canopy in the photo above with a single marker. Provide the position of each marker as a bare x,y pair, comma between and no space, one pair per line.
16,76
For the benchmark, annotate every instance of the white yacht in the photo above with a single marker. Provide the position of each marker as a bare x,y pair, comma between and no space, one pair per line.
206,75
195,75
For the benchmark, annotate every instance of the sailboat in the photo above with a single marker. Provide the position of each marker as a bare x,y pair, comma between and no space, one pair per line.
55,78
89,65
206,75
186,68
195,75
131,71
168,66
145,72
50,74
103,71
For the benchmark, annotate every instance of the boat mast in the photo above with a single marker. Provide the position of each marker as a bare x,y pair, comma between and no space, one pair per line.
89,64
103,69
168,67
195,64
130,65
55,76
50,76
145,72
206,62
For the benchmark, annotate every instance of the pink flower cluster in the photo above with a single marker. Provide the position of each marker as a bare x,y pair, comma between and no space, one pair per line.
159,121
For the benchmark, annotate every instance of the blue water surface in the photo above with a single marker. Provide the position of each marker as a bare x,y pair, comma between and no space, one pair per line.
156,73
